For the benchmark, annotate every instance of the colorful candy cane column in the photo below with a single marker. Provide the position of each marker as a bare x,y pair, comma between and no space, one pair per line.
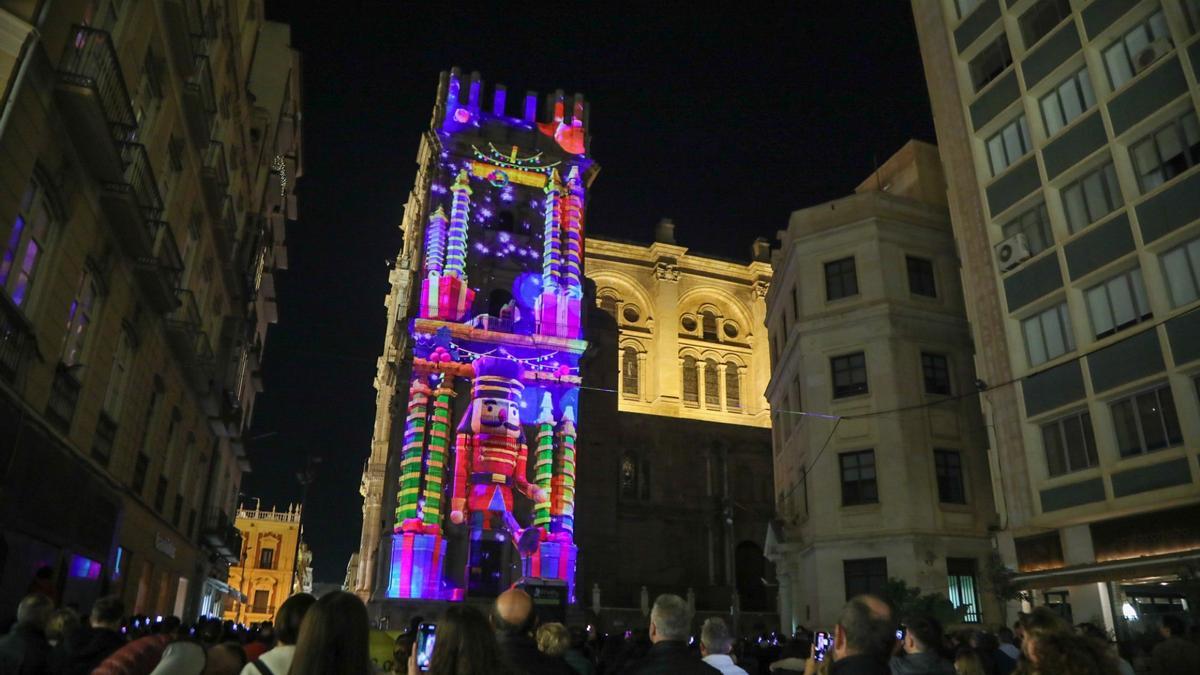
556,554
444,291
490,460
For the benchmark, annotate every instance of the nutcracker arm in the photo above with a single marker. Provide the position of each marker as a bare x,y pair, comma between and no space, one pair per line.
458,494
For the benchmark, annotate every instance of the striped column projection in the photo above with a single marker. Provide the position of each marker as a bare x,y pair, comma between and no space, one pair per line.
552,251
456,239
439,446
435,242
412,453
563,506
572,235
544,466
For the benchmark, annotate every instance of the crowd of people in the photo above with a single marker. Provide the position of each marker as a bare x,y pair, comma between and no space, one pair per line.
331,635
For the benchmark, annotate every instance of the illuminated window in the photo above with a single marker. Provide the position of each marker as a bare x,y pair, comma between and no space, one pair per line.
1118,303
849,374
948,466
858,478
1008,145
733,388
629,372
990,62
1092,197
712,385
1048,334
691,381
960,573
26,244
1069,444
866,575
1067,101
1181,267
1167,152
79,319
1146,422
1135,51
1035,225
841,279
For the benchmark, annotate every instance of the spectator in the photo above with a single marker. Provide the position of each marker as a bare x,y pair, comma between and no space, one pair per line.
922,639
967,662
864,637
401,650
1008,643
1175,654
793,656
1064,653
99,640
263,640
716,641
43,584
278,661
24,651
1038,624
139,657
465,645
63,632
227,658
670,620
514,621
553,641
333,638
181,657
995,662
1094,632
577,655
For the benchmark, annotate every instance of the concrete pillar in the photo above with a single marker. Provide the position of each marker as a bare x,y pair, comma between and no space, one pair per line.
787,621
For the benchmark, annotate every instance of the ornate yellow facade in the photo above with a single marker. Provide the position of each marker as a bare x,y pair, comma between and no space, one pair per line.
267,574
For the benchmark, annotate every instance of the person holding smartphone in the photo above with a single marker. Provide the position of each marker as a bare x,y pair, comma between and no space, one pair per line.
862,639
463,644
919,642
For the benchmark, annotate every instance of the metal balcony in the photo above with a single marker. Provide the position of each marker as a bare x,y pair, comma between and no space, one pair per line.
132,202
184,20
188,340
16,336
159,271
223,539
200,101
227,423
95,99
214,175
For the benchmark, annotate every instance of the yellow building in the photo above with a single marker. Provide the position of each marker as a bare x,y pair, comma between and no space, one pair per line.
148,151
267,573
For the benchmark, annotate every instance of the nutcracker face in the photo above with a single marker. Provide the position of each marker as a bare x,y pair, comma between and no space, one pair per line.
498,416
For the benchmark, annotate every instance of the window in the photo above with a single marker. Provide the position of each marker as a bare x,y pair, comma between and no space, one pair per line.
1118,303
160,494
1070,444
990,62
1181,267
629,480
266,558
1091,198
796,301
79,319
1035,225
118,375
866,575
608,304
849,375
26,244
936,370
1167,152
1129,55
139,472
712,385
1146,422
965,7
920,277
1008,145
960,573
1067,101
177,513
733,387
858,478
708,326
841,280
630,314
1191,8
1041,18
691,382
629,372
261,598
948,465
1048,334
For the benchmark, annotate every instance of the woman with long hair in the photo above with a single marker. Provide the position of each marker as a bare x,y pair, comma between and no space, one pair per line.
333,638
465,645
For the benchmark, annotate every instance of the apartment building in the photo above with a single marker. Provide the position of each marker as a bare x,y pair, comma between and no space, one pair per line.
150,152
1068,133
273,563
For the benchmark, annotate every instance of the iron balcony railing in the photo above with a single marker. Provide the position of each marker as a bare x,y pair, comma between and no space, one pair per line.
200,84
139,181
15,338
214,163
165,254
90,61
198,33
186,316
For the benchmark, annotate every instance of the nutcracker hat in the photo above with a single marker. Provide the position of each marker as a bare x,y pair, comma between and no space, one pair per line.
497,378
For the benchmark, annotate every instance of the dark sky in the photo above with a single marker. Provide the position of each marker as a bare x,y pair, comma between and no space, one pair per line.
723,120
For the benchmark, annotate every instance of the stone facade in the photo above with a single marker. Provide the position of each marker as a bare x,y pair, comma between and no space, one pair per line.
273,564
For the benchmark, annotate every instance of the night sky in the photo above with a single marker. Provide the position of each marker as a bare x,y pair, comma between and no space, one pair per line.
723,120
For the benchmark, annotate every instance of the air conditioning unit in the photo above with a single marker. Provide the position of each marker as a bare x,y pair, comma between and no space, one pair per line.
1012,251
1151,54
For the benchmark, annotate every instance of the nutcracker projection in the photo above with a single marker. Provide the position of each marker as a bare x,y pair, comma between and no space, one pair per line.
488,452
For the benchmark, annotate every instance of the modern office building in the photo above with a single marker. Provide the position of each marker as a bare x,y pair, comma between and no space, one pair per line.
273,564
881,466
149,152
1068,133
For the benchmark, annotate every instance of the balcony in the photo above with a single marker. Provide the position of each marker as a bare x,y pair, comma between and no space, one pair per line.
200,101
227,423
189,341
133,203
226,228
64,396
223,539
16,336
160,270
95,100
214,175
184,20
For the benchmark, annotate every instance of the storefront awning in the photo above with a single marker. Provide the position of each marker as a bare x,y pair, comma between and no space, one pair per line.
218,586
1112,570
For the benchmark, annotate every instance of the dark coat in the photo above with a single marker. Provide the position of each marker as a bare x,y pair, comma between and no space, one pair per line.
91,649
24,651
924,663
522,654
669,657
1175,655
859,664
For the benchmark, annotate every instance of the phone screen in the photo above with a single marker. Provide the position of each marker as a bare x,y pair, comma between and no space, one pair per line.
821,644
900,632
425,637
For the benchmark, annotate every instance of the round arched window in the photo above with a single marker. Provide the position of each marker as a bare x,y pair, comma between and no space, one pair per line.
630,314
731,330
689,324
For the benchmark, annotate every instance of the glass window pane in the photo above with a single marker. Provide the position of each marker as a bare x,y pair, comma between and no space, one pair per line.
1150,416
1097,300
1052,113
1052,442
1093,192
1053,334
996,154
1145,161
1012,142
1118,65
1137,40
1170,419
1158,26
1141,303
1114,189
1064,320
1071,104
1169,144
1026,144
1122,301
1125,427
1085,85
1073,203
1076,453
1033,341
1089,438
1180,282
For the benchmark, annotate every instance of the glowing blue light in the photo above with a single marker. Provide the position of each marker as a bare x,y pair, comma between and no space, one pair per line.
504,237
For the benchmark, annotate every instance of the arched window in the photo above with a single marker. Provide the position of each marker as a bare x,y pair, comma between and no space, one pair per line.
629,372
733,389
629,481
609,304
708,322
691,382
712,385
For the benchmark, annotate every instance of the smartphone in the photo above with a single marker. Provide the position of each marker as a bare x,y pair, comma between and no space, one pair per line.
821,644
900,632
426,633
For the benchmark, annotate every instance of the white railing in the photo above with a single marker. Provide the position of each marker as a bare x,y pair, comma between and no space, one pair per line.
291,515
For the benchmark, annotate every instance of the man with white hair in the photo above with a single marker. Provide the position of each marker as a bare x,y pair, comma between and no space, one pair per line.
24,649
716,641
670,623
